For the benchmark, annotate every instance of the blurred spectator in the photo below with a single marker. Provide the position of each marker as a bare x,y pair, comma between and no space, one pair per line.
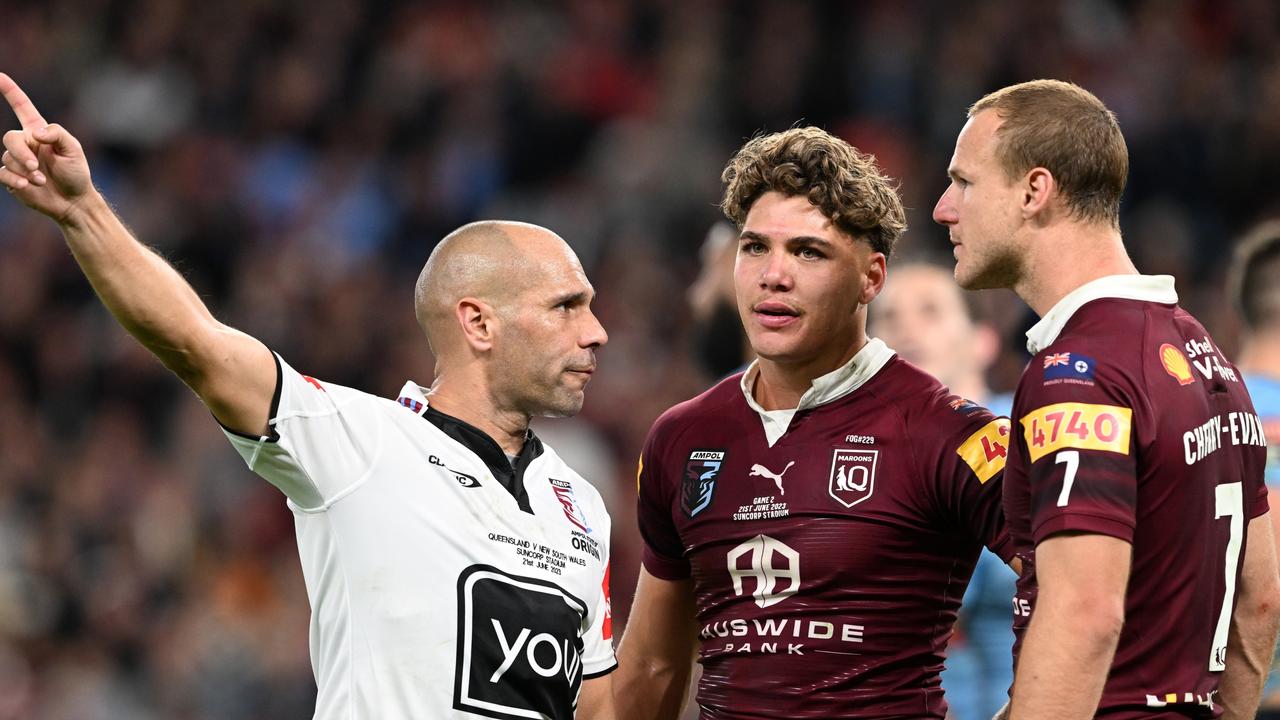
1255,293
924,315
719,341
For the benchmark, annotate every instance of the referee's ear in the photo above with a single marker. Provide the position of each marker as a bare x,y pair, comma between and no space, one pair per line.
478,323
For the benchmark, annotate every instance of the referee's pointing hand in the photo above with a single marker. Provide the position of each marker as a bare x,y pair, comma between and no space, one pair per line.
43,165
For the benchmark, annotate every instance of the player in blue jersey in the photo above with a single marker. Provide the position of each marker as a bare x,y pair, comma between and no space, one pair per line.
926,317
1255,291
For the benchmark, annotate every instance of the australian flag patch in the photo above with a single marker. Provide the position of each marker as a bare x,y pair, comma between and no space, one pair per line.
963,405
1068,367
699,483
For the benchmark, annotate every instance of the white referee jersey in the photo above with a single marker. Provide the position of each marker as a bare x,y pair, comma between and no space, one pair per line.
437,591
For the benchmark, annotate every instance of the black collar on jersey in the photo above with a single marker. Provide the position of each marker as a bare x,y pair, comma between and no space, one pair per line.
478,442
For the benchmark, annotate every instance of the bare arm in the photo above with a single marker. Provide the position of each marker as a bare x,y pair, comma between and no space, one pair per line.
1252,641
1074,629
655,657
595,702
45,168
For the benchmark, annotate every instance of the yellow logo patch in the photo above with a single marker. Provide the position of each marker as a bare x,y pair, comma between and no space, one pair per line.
1083,426
1175,363
985,451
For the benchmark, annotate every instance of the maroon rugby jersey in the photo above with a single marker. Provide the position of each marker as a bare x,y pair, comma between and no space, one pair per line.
1130,423
827,566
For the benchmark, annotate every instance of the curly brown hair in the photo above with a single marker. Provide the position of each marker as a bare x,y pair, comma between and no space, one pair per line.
845,184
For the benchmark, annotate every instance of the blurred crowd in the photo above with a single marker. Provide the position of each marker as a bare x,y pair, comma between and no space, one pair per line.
297,161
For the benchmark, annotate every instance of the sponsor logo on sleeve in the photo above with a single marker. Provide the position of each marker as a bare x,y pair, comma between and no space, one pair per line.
519,651
985,450
853,475
1208,361
1175,363
699,482
1082,426
314,382
1066,367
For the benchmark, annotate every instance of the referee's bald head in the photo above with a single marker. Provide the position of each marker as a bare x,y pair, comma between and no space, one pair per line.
488,261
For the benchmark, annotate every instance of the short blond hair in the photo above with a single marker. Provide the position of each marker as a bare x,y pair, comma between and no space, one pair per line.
1066,130
845,184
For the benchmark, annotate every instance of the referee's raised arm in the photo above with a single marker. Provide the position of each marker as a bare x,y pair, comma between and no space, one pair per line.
44,167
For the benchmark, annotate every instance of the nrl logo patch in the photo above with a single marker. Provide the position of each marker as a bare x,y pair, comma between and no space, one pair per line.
853,475
699,482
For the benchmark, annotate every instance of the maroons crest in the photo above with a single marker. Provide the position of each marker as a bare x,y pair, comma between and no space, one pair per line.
699,481
853,476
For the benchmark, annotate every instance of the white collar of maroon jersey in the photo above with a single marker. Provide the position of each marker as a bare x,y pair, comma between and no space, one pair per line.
1148,288
834,385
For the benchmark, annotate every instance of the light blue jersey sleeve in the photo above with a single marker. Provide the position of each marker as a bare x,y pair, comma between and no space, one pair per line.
1265,392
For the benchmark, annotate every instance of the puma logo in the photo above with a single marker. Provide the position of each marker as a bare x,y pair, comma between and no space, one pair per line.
762,471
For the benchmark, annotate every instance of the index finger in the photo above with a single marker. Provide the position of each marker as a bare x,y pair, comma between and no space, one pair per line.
21,104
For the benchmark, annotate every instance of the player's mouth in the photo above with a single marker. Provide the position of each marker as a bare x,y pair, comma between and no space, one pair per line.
585,371
773,314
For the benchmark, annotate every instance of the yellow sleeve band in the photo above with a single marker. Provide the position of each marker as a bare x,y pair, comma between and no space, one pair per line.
985,450
1083,426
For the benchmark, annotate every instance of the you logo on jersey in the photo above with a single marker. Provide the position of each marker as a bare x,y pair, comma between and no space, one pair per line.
519,653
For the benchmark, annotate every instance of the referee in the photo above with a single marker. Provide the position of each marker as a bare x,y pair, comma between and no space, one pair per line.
455,566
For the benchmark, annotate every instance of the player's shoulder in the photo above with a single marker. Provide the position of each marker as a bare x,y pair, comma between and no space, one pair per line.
1100,355
719,402
942,423
1112,333
305,387
923,398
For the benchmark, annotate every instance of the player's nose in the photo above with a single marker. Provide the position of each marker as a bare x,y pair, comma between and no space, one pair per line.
944,213
776,273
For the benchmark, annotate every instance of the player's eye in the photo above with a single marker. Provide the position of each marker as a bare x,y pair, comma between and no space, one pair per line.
809,253
753,247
